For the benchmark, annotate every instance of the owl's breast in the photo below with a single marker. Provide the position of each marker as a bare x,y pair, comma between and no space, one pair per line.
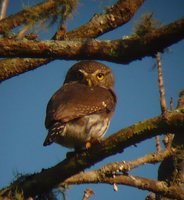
79,131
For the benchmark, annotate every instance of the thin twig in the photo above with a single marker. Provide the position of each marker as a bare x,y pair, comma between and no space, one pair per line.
158,145
111,170
23,32
117,167
171,104
159,187
168,137
163,103
4,5
87,193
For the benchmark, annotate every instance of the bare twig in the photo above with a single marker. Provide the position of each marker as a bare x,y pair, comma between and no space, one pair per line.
168,137
152,158
171,169
171,104
4,5
114,16
87,193
38,182
118,167
114,169
158,145
167,140
23,32
33,14
159,187
127,8
163,103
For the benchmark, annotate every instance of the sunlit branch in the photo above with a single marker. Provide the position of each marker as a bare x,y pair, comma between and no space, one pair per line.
4,5
87,193
116,143
119,51
23,32
32,14
114,16
126,9
122,167
163,103
159,187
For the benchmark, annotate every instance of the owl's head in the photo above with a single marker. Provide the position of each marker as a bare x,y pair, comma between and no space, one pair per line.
91,73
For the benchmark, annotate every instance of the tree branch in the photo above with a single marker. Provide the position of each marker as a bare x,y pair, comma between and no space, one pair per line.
117,15
125,8
33,13
119,167
87,193
49,178
4,5
151,158
171,169
119,51
159,187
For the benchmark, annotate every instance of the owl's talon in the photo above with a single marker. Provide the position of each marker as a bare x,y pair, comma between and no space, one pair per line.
93,142
88,145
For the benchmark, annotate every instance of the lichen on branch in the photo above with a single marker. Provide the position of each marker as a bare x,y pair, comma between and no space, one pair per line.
48,178
120,13
119,51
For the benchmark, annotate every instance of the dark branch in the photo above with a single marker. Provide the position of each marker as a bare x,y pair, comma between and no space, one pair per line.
49,178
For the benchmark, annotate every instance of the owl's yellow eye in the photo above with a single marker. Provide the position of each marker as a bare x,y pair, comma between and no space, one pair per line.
100,76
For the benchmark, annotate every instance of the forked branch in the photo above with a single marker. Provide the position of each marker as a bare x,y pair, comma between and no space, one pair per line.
49,178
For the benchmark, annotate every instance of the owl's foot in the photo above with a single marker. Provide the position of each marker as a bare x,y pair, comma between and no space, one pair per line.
93,142
88,145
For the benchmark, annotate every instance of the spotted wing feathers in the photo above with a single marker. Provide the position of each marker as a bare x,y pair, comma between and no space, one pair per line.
75,100
54,132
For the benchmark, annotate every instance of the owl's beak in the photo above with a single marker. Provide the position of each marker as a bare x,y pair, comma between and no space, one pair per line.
86,77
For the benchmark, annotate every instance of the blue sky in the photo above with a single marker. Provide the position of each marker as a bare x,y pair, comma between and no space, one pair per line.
24,98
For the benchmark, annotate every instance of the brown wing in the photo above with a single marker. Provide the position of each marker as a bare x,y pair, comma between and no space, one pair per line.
75,100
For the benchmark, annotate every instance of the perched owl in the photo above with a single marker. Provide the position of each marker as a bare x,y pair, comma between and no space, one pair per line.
81,110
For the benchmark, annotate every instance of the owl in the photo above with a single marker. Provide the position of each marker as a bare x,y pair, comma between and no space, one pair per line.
79,113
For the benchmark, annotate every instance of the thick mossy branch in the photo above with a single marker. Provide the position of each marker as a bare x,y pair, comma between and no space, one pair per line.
119,51
47,179
114,16
124,9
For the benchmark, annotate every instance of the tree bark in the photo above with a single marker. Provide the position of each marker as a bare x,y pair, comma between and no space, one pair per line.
171,169
49,178
124,9
118,51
